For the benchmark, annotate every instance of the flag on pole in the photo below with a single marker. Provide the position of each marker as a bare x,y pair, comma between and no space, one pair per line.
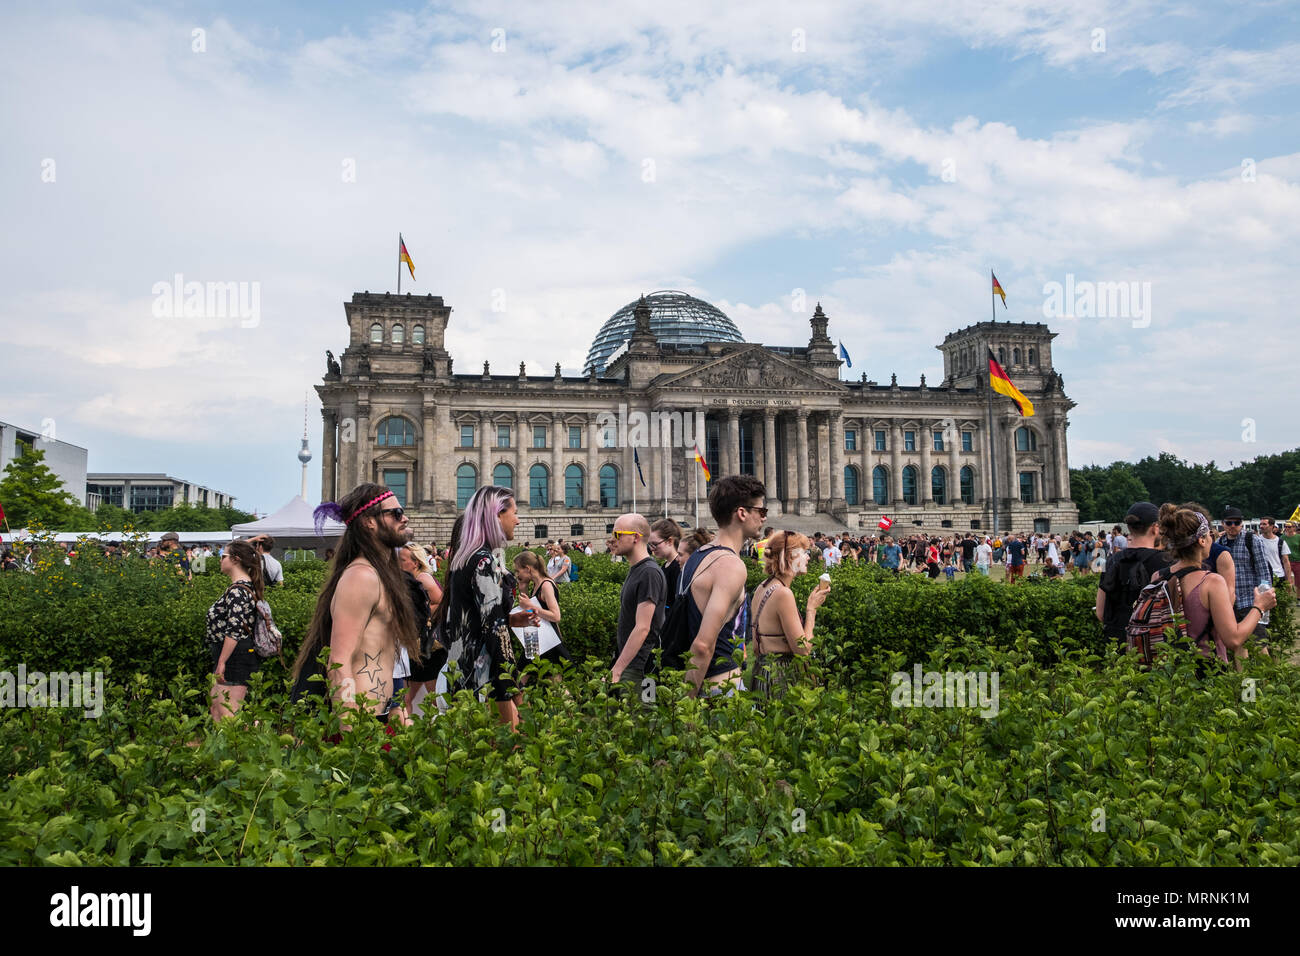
997,289
1295,516
885,523
700,461
404,256
1002,385
637,459
844,354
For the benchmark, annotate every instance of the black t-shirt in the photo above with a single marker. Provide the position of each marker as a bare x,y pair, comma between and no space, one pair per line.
645,583
672,574
968,549
1121,580
1017,551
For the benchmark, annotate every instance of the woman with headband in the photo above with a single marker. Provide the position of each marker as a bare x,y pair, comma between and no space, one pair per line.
1206,601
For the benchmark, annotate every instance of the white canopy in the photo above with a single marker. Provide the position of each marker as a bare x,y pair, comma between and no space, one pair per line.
294,520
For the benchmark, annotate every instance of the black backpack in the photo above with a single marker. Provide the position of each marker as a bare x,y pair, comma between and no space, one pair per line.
675,638
423,617
1123,581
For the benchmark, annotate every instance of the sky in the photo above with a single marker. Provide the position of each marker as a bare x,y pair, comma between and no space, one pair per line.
549,162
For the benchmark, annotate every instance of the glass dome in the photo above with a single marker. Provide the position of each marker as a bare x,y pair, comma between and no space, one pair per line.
675,318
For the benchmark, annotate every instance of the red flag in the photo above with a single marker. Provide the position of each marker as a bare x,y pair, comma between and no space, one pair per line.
885,523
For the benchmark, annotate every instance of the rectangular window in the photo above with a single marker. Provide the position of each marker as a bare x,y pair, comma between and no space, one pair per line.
575,436
540,532
1027,487
503,436
850,439
539,436
395,481
938,441
967,441
909,441
466,436
880,439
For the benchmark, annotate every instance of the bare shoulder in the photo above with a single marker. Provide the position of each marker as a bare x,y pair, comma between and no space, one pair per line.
360,577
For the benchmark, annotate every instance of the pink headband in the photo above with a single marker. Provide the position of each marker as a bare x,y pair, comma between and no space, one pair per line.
372,501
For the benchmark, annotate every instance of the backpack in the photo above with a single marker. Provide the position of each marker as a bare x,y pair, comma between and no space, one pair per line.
675,638
573,571
423,617
1123,581
1157,615
267,640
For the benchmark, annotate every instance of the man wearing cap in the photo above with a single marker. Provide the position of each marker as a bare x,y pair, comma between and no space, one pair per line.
169,550
1251,564
1129,571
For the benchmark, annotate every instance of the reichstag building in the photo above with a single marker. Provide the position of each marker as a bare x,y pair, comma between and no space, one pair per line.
833,454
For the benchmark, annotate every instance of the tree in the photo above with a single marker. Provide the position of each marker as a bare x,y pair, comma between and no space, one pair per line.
1122,488
1081,493
32,494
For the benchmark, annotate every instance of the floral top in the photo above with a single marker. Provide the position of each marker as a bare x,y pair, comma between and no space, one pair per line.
480,595
232,615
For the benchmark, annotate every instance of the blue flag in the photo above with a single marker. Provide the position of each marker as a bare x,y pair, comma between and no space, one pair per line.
637,458
844,354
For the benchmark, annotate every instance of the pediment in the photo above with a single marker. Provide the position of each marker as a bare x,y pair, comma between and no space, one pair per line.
749,369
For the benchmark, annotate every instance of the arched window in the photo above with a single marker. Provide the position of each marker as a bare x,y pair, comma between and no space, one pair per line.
573,486
608,486
466,483
376,334
1033,356
1016,359
504,476
417,335
1026,440
850,485
1002,355
939,485
539,487
909,484
880,485
967,485
396,432
399,334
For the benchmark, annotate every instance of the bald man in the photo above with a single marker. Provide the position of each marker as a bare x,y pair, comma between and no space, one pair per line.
641,605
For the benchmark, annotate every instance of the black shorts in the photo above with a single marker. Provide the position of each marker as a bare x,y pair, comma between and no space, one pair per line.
242,663
425,671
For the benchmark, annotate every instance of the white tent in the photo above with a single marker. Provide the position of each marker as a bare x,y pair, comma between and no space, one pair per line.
294,520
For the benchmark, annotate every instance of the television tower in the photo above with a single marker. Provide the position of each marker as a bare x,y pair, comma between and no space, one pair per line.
304,453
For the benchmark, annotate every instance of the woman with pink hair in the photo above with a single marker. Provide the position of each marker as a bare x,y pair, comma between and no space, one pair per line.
480,594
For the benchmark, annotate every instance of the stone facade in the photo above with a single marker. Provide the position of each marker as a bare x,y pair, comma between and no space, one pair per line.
832,453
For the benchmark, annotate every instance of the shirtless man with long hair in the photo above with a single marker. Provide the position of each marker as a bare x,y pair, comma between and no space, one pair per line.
364,613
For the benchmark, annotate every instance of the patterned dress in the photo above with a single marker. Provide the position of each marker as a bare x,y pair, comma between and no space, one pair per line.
479,640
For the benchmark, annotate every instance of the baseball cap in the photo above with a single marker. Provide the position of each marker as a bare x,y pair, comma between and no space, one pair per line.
1231,512
1144,511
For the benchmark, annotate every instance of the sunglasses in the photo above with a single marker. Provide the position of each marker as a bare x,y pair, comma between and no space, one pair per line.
761,512
395,512
1231,523
619,534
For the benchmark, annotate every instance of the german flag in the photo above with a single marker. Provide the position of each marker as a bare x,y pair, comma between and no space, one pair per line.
997,289
404,256
1002,385
708,476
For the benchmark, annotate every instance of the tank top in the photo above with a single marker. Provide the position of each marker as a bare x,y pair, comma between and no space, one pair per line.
1199,626
725,649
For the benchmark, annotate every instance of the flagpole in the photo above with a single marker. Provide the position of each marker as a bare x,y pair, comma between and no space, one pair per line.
632,478
399,263
993,302
695,490
993,455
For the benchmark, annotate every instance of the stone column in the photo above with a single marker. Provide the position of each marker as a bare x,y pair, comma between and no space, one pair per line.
428,438
523,440
1013,477
769,453
329,419
725,453
821,455
954,467
806,505
733,440
348,450
926,437
484,450
896,462
868,440
837,505
593,463
1062,461
558,440
365,444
